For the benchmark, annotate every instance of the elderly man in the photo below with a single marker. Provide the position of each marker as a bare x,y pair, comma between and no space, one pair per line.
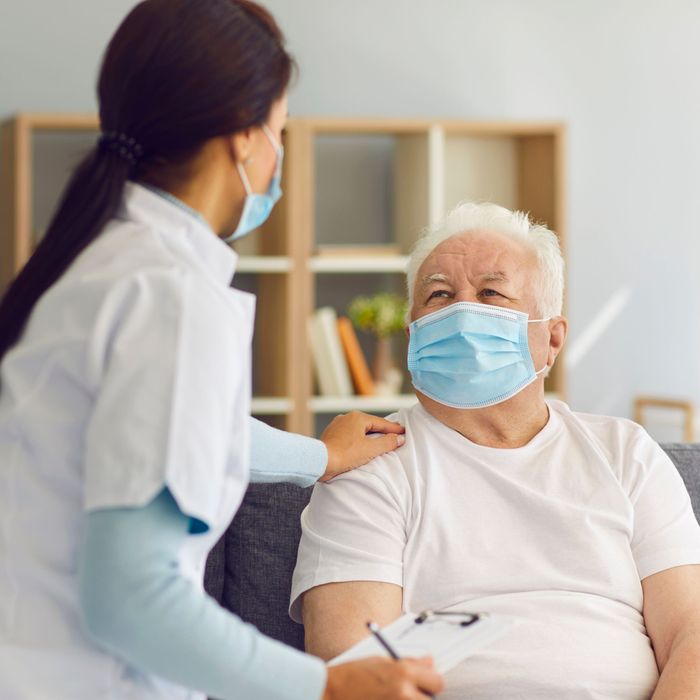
577,525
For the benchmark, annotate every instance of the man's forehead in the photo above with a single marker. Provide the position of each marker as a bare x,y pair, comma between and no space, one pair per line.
486,253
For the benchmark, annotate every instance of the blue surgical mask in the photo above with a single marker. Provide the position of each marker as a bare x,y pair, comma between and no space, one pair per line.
471,355
257,207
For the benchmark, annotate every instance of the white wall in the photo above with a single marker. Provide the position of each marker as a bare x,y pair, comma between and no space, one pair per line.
624,74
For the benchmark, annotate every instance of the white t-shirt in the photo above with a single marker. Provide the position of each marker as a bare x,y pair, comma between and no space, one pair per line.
133,374
558,533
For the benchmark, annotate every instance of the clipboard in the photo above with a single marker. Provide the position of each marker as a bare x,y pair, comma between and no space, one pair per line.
449,637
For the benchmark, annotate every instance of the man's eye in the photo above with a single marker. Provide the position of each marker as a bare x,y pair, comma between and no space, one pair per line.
439,293
489,293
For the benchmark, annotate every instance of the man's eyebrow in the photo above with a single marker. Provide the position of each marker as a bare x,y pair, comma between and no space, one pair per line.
497,276
436,277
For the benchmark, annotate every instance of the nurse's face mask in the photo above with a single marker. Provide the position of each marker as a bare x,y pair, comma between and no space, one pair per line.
257,207
471,355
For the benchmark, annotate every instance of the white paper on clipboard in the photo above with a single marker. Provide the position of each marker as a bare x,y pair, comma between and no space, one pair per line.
448,643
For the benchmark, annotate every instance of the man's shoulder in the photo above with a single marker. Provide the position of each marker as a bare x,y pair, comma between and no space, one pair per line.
602,424
622,441
396,466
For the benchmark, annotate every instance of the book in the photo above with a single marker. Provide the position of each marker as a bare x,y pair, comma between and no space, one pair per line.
329,359
359,371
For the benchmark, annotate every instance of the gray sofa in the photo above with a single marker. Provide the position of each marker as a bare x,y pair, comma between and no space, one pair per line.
250,569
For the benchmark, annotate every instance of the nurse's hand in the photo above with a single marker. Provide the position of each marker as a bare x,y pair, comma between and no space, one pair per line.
350,446
379,678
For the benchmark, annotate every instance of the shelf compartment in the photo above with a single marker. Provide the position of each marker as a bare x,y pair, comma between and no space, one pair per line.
517,171
373,188
271,335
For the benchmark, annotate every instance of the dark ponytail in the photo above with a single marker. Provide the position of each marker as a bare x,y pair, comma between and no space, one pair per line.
176,74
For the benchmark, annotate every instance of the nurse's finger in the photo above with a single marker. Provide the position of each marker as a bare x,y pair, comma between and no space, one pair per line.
349,445
379,678
376,446
374,424
363,450
422,673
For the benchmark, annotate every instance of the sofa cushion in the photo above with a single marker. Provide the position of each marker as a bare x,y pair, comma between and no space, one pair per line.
687,458
250,570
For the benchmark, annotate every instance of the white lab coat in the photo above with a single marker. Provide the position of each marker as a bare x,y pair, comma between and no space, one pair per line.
133,374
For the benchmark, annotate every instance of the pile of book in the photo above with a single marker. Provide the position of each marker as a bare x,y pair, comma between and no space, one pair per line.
341,368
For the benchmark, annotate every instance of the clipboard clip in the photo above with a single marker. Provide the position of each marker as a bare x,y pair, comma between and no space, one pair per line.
463,619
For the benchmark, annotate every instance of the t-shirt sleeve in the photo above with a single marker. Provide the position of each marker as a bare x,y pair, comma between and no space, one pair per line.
166,361
354,529
666,531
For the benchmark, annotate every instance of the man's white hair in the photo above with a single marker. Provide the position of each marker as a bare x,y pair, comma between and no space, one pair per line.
471,217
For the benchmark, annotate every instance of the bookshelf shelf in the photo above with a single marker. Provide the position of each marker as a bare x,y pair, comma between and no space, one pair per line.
343,404
358,265
357,194
264,263
271,406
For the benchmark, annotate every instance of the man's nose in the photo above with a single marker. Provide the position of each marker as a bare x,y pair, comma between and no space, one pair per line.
467,295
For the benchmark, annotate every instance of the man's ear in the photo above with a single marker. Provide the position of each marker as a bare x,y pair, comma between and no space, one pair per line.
558,330
407,327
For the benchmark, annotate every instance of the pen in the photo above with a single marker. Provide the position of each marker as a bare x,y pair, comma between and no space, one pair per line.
374,628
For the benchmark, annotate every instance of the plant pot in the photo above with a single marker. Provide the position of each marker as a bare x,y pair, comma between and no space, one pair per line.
387,376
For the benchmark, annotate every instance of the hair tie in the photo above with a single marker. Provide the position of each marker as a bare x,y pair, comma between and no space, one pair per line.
123,145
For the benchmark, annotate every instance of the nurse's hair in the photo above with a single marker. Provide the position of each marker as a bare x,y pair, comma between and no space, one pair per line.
175,74
474,217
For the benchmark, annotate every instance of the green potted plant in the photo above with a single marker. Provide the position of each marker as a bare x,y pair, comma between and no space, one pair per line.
383,316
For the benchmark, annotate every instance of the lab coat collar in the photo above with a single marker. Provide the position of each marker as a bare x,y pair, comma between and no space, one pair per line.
145,206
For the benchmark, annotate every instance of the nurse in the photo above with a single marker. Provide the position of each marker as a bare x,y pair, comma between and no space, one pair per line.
125,387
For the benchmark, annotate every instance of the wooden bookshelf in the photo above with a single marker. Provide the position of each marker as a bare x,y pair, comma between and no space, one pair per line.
346,182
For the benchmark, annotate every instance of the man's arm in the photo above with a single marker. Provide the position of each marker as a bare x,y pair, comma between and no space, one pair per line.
335,614
672,617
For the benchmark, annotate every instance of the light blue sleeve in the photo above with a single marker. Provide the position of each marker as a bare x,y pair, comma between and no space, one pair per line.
280,456
136,603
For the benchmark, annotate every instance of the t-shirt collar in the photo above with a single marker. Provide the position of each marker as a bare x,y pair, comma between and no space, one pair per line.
548,432
172,217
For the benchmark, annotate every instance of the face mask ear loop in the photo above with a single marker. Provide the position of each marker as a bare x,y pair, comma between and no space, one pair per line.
278,148
244,178
541,320
271,138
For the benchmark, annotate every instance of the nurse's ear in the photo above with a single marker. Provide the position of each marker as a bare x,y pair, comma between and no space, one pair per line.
241,144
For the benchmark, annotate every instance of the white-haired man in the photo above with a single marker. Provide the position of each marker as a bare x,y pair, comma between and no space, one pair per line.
500,501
